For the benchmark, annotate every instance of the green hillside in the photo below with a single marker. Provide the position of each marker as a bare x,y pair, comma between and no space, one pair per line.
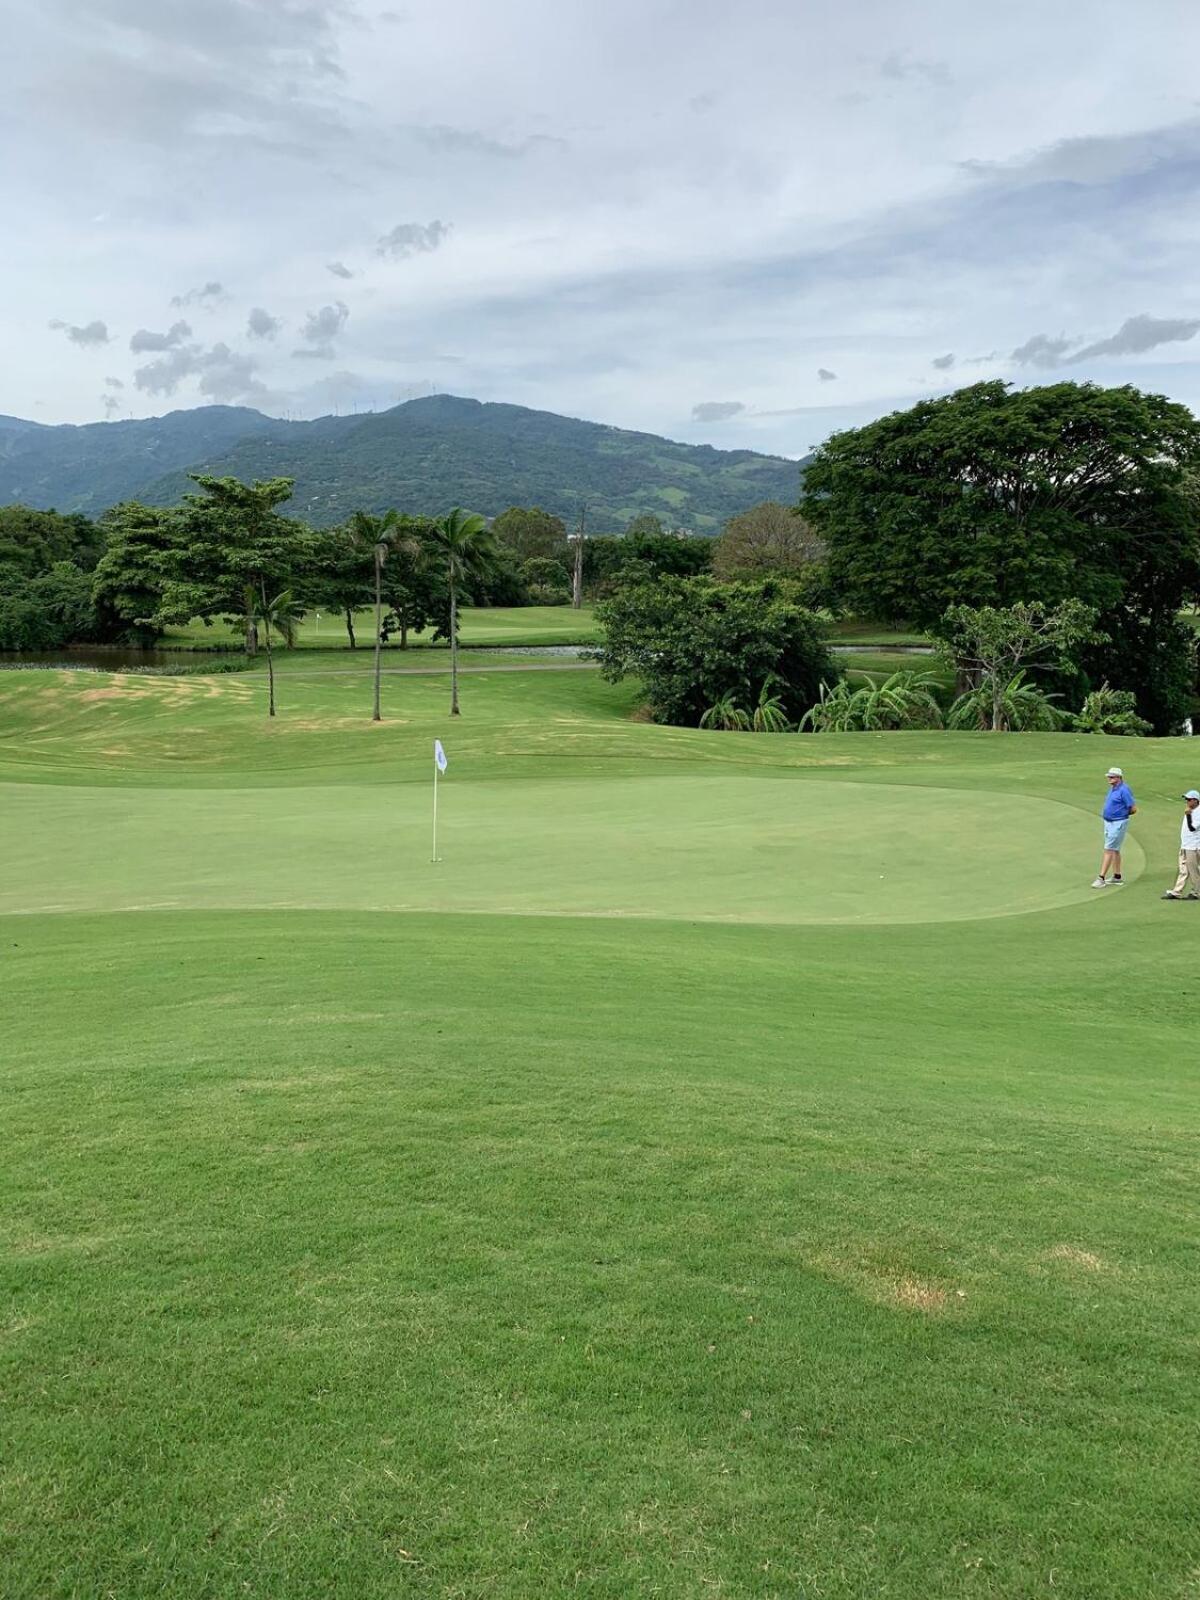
92,467
425,455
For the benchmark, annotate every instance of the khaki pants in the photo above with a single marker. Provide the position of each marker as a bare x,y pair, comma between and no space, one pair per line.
1189,872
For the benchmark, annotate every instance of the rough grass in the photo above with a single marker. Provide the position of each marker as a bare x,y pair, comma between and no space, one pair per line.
374,1253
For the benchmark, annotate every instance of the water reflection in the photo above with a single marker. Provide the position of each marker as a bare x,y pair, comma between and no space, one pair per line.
115,658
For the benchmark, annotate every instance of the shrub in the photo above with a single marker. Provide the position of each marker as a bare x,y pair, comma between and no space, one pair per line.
1111,711
1017,707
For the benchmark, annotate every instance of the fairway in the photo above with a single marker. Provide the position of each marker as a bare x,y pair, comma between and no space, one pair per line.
744,1165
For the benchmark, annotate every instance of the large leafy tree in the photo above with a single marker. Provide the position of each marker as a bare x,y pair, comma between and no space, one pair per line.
141,547
465,550
530,533
768,538
697,644
233,544
993,496
31,541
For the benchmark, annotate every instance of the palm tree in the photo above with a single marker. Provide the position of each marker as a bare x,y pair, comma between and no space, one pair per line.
726,714
467,549
381,550
283,614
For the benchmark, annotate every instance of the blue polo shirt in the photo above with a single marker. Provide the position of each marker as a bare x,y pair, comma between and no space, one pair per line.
1118,803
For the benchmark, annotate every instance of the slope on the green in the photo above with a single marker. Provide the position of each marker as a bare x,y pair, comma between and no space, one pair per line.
372,1252
755,848
424,456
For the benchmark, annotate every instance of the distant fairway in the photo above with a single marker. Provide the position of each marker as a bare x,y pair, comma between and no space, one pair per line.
777,1177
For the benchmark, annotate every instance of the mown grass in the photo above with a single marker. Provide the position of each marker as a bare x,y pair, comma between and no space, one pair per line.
454,1254
494,626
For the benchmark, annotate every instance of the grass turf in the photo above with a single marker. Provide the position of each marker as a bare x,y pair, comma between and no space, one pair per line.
378,1252
492,626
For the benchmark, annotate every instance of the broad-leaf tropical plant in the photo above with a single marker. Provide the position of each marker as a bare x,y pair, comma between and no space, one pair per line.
726,715
769,715
1013,707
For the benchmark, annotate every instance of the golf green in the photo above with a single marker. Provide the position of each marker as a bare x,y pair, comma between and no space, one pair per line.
742,1166
776,848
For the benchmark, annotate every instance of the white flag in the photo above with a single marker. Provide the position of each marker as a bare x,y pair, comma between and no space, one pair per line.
439,755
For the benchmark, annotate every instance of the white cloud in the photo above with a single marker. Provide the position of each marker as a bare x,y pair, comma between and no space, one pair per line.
412,239
89,334
624,239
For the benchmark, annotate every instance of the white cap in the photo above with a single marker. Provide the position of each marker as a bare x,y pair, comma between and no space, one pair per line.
1114,772
1191,794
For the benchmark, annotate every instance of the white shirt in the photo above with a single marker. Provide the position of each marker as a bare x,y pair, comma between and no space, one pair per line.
1189,840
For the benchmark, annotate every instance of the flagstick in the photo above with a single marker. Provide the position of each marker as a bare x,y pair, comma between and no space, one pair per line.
436,855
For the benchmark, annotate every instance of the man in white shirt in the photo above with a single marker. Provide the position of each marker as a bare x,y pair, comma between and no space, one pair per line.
1189,851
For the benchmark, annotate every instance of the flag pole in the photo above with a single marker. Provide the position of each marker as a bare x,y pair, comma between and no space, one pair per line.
435,798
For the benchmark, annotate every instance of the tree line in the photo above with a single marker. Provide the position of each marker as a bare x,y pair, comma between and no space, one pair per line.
1046,538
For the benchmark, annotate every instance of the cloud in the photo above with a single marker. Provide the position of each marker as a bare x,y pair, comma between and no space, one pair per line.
1134,337
702,103
1093,160
943,363
900,67
207,297
1042,351
1138,334
89,335
261,324
144,341
412,239
221,374
825,375
716,410
110,403
339,269
442,140
320,329
114,383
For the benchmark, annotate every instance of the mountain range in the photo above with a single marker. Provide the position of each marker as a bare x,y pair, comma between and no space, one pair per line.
423,456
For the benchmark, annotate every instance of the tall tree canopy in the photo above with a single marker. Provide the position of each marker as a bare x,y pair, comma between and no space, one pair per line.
530,533
768,538
993,496
233,541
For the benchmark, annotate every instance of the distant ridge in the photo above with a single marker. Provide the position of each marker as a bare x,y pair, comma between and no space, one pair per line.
422,456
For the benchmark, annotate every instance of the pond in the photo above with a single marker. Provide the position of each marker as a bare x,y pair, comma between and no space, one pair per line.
112,658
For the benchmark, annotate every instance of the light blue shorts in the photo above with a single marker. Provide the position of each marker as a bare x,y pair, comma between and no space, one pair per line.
1114,834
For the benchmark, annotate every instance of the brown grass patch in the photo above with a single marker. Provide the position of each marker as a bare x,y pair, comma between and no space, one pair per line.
1078,1258
914,1295
90,696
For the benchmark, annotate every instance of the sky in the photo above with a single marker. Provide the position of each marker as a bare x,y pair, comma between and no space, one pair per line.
743,225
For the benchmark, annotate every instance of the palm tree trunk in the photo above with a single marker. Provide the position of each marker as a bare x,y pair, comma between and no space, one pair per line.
376,715
270,671
454,711
350,627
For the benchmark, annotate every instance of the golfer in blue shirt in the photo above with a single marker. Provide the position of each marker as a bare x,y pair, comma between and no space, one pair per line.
1119,806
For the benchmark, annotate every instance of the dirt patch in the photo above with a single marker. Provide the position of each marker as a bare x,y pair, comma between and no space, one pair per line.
90,696
1076,1257
912,1294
